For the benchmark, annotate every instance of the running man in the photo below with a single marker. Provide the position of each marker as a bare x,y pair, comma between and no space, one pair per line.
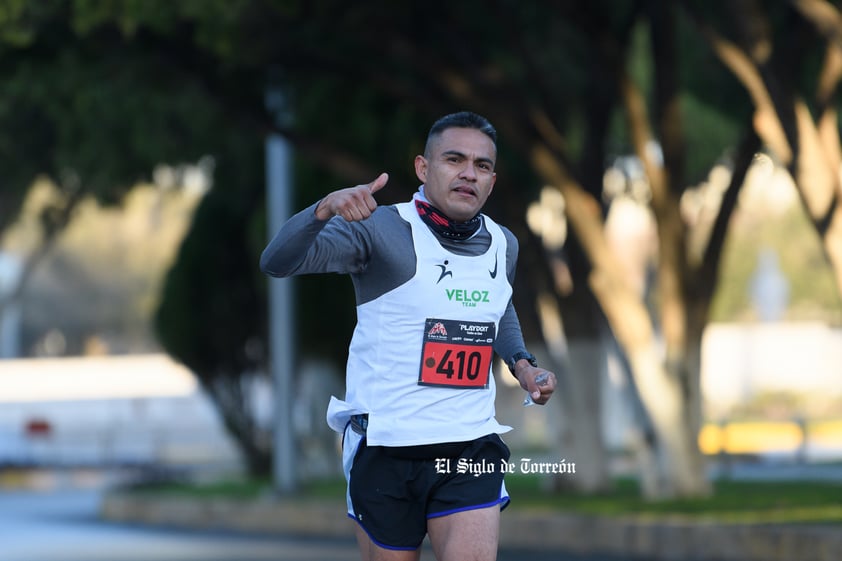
433,281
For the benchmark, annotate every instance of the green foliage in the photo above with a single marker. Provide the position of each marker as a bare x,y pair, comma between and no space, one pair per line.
204,316
105,116
711,133
714,105
213,300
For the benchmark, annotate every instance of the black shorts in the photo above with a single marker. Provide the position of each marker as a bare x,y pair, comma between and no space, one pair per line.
393,491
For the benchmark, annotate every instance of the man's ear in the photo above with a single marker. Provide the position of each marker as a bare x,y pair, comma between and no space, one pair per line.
421,168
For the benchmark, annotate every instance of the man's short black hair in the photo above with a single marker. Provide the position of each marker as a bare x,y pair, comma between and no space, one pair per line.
464,120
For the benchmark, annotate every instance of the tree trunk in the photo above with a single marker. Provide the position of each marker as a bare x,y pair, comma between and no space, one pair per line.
681,463
660,391
580,366
583,402
240,424
553,319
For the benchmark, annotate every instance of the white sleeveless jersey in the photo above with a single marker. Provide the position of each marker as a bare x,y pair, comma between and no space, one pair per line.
420,358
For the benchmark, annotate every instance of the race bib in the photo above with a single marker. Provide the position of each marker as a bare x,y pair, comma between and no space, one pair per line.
456,354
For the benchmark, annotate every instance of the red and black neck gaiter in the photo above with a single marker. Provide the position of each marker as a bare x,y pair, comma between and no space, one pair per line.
444,226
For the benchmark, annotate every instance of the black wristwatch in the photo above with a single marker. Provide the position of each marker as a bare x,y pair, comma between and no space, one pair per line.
518,356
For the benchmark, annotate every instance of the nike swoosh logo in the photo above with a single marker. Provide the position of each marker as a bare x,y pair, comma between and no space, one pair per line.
494,272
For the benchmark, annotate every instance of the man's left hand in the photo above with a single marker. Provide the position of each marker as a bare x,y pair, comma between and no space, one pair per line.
526,374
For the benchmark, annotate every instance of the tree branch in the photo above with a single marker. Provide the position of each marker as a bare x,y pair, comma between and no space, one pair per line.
766,120
824,16
705,279
641,134
668,180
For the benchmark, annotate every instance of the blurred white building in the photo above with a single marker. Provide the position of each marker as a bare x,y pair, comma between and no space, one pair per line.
108,410
742,361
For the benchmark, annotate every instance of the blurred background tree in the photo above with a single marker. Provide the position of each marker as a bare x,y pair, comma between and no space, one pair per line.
648,93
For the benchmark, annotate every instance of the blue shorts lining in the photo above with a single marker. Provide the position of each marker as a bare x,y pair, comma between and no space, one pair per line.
502,500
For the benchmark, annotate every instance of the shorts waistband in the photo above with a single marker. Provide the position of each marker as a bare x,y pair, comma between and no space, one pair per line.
427,451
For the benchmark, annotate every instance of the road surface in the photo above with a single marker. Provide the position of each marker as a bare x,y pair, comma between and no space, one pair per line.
63,525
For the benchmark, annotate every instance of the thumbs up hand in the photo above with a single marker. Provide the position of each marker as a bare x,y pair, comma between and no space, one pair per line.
354,203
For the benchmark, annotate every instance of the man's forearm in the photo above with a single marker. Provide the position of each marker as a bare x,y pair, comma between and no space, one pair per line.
288,248
509,335
307,245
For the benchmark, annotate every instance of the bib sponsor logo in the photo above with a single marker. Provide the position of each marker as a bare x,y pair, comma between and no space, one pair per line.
438,331
469,298
477,332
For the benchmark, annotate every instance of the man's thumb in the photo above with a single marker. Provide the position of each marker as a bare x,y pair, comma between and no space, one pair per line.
378,183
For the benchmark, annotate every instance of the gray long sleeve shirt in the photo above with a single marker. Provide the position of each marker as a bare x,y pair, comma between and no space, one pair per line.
379,255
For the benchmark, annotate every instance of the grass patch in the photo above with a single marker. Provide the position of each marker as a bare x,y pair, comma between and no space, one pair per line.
245,489
237,489
732,501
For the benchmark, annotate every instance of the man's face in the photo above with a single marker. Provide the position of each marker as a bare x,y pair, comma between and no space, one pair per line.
458,172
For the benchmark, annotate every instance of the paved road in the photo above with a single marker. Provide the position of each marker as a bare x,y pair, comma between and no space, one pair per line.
63,526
